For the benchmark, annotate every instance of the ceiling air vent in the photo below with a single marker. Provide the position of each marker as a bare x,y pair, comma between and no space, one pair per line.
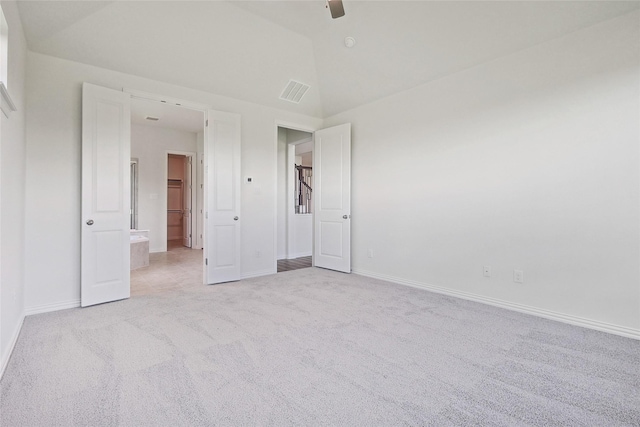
294,91
153,119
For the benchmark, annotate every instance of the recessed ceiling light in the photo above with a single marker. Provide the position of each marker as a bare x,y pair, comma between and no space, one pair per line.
349,42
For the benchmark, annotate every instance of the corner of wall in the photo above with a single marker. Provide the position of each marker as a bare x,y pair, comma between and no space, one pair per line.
6,353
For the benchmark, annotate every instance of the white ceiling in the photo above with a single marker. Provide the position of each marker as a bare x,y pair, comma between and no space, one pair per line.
171,116
250,50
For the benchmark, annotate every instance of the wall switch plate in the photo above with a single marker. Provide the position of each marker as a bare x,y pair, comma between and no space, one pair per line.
518,276
486,271
370,253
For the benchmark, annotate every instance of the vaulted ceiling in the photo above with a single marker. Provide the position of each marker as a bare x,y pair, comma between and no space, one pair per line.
250,50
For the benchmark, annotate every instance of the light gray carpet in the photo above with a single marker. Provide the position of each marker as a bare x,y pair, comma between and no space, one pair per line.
314,347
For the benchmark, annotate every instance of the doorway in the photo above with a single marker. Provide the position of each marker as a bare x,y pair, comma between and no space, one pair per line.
295,199
179,201
106,206
166,143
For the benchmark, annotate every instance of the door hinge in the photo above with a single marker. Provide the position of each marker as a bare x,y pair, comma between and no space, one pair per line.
206,261
207,124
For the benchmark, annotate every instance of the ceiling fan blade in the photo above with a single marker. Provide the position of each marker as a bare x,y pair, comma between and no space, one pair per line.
336,8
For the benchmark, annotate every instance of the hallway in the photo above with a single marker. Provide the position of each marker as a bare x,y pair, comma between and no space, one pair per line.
293,264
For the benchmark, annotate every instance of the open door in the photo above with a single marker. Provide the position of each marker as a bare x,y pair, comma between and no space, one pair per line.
106,148
186,208
332,198
222,198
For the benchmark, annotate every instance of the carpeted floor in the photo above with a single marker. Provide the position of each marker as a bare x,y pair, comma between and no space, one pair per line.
314,347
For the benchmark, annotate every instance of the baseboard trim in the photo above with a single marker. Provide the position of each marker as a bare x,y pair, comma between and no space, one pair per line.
12,344
257,274
46,308
547,314
300,255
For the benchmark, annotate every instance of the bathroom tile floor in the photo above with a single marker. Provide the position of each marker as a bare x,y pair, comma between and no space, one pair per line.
178,268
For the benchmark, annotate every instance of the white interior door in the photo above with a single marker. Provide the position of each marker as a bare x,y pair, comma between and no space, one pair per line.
186,208
332,198
222,198
106,151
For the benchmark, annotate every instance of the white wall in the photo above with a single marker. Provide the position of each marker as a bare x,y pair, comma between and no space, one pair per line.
53,159
303,236
306,159
12,191
528,162
150,145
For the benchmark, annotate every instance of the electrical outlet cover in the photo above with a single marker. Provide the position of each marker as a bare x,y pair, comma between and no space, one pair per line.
486,271
518,276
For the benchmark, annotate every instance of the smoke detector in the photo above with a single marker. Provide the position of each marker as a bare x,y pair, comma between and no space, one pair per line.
349,42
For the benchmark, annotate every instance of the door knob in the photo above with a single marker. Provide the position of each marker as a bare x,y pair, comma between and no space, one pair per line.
344,217
235,218
90,222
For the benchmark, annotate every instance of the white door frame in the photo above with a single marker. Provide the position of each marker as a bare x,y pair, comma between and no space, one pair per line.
194,226
290,204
